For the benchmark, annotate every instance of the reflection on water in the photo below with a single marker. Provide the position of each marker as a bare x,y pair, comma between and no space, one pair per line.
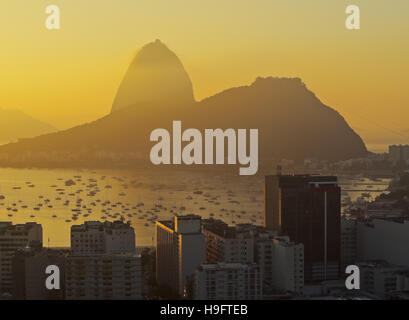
58,199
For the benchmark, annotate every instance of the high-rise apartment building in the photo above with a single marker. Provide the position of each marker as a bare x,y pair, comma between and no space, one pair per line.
103,263
13,237
307,208
349,241
180,249
281,264
110,276
94,237
29,272
228,244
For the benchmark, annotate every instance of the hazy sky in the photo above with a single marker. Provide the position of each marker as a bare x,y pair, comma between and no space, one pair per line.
70,76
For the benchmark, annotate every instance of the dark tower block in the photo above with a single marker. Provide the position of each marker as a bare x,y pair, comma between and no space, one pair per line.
307,208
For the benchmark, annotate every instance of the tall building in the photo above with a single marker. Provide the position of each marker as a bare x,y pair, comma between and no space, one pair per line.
13,237
399,153
94,237
349,241
281,264
180,249
110,276
228,281
29,272
228,244
103,263
307,208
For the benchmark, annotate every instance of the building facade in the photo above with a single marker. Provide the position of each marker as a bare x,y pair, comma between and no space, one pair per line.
13,237
349,241
103,263
307,208
180,249
399,154
29,272
281,264
384,239
381,278
94,237
110,276
228,244
228,281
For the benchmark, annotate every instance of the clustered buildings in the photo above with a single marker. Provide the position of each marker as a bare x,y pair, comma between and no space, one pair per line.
101,264
301,251
299,244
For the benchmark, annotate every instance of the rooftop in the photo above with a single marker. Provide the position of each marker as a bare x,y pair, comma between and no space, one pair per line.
224,266
302,179
97,225
10,229
222,229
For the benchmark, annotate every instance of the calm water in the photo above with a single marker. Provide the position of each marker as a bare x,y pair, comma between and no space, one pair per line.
51,198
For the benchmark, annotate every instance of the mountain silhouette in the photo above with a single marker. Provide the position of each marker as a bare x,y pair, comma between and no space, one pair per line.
293,123
15,124
156,75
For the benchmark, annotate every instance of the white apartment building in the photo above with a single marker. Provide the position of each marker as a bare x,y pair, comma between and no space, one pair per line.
349,241
228,281
13,237
228,244
111,276
281,263
94,237
180,249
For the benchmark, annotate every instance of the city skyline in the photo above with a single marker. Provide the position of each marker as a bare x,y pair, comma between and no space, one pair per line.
208,259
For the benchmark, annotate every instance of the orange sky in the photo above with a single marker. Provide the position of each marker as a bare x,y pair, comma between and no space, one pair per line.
70,76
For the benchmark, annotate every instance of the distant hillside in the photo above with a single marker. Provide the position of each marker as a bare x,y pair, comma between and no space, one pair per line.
15,124
292,122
